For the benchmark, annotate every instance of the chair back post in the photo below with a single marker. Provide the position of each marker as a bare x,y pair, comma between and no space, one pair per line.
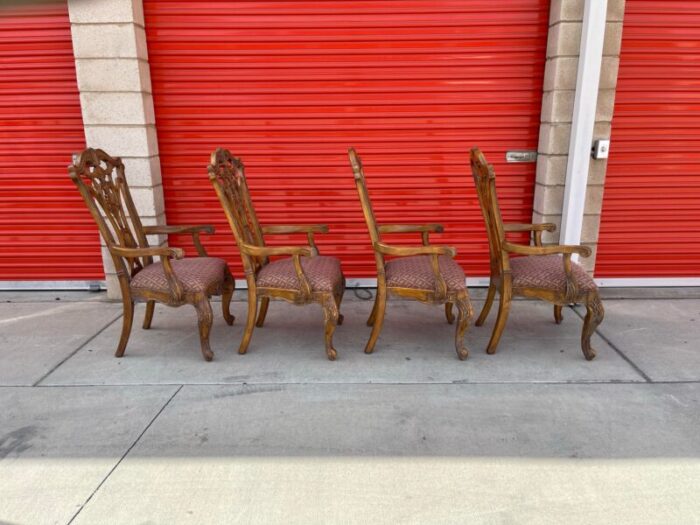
485,182
367,210
101,182
227,175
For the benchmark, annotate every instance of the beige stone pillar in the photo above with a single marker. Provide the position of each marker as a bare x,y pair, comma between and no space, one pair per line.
111,61
563,46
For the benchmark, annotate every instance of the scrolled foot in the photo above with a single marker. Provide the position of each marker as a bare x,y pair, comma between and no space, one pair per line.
462,353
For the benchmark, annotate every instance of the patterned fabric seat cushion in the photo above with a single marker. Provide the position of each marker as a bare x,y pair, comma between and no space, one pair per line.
324,274
417,273
547,272
196,274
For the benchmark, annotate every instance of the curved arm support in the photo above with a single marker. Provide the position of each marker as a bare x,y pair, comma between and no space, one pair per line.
165,253
296,252
432,251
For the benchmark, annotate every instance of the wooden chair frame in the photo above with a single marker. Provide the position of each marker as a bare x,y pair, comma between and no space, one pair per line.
501,279
101,182
227,175
439,295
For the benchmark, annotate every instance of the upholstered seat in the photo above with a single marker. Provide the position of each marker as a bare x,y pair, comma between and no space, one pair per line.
547,272
324,274
416,272
198,274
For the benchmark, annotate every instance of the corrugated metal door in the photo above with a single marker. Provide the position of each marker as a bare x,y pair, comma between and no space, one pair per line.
289,85
650,223
46,232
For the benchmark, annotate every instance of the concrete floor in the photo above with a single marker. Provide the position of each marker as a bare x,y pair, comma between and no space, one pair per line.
533,434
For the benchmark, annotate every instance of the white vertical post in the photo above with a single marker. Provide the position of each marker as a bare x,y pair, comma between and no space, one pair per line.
583,120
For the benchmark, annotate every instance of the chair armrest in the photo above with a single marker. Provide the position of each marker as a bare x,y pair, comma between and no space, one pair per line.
165,253
410,228
537,229
423,229
192,230
308,229
406,251
295,251
432,251
513,227
583,251
268,251
151,251
295,228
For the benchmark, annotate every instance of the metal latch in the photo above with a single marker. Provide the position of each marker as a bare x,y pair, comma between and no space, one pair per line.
521,156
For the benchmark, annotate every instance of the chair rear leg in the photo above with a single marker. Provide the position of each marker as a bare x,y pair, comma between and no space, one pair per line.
594,316
330,316
339,299
558,317
226,296
127,321
205,319
503,311
373,314
448,313
378,311
250,321
465,313
490,295
264,303
148,318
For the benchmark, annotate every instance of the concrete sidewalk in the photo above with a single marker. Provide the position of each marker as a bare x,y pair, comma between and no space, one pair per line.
533,434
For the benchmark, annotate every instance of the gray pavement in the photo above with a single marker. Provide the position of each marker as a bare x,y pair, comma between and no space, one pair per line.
532,434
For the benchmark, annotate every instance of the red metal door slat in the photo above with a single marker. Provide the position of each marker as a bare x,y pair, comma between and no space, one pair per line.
46,232
290,85
650,223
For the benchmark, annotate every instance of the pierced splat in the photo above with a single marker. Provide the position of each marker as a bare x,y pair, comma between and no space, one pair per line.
101,177
229,173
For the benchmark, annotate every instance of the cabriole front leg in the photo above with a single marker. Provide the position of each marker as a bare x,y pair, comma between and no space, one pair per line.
330,315
465,312
205,318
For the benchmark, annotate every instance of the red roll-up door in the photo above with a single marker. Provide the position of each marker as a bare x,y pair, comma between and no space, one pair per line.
290,85
650,223
46,232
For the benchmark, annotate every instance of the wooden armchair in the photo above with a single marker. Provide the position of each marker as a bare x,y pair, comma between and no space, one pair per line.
545,272
424,273
174,280
300,277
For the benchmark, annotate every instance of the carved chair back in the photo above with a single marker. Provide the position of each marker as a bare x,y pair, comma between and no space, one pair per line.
485,182
367,210
101,182
227,174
